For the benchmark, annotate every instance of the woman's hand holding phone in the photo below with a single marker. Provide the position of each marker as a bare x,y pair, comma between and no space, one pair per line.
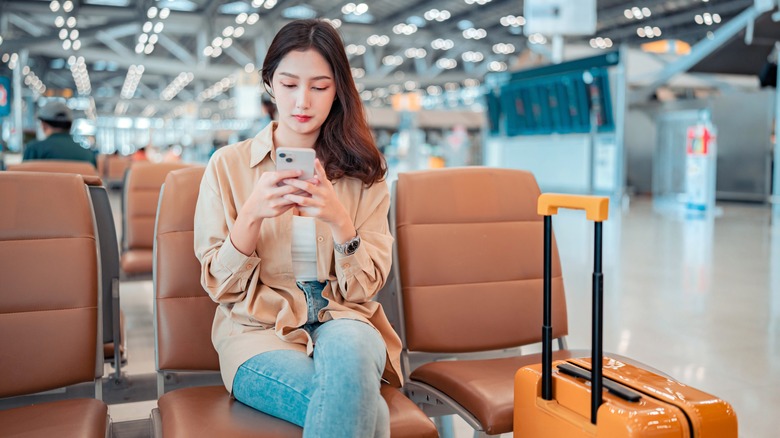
320,201
268,195
268,199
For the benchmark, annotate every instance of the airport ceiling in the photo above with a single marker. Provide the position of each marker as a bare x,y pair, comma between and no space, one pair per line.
191,50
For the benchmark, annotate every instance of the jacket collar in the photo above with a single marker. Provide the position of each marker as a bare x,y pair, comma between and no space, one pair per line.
262,145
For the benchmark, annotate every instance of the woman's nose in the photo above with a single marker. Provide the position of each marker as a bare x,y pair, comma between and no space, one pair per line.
302,100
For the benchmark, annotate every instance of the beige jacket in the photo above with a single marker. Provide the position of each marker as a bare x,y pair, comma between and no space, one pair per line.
260,306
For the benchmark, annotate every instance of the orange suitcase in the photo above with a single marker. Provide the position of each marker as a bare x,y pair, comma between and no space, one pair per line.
557,399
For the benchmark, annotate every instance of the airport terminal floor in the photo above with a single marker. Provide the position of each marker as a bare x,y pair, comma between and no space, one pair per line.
697,299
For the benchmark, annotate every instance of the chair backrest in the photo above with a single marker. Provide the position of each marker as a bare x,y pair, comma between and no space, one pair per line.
49,300
183,311
115,167
104,218
469,248
141,193
100,159
86,170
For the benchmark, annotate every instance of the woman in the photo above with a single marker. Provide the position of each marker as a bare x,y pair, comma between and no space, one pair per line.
294,264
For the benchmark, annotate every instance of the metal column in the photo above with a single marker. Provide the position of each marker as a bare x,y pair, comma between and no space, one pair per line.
776,172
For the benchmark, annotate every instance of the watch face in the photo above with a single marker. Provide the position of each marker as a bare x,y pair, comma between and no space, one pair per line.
353,246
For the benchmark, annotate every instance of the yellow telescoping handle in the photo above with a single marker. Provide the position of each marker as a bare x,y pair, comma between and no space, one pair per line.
596,207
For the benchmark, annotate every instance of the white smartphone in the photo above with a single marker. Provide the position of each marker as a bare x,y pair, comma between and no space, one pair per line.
296,159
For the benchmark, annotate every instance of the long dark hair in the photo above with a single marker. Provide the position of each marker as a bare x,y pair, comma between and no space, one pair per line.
345,145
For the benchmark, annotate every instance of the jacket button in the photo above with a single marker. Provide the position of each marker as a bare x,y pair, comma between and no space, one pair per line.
345,265
320,239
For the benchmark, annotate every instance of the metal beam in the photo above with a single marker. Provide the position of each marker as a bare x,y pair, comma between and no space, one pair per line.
628,30
700,51
32,43
152,64
26,25
238,55
175,49
110,42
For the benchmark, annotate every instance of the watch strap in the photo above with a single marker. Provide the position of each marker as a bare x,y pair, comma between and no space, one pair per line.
349,247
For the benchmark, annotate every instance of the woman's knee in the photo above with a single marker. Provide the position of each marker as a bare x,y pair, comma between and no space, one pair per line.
350,343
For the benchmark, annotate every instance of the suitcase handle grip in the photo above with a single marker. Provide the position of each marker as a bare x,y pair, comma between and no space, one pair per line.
596,207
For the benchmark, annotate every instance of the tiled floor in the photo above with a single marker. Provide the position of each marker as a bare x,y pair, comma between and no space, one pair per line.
697,299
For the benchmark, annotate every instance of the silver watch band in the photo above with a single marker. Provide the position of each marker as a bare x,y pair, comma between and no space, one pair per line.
349,247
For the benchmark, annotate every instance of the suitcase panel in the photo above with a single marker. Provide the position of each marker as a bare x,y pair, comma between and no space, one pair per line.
568,414
709,416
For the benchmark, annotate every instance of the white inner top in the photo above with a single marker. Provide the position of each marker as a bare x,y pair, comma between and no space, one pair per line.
304,248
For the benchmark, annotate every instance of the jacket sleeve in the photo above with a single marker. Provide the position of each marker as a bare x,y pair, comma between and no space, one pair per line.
225,271
362,274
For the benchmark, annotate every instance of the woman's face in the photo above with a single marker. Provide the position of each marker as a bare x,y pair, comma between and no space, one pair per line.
304,88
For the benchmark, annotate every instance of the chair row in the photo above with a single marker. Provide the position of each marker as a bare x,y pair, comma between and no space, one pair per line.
183,315
466,284
139,205
112,169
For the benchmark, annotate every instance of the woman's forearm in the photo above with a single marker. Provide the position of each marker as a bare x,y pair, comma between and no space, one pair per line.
245,233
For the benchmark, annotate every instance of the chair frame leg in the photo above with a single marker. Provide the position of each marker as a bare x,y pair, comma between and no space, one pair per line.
445,424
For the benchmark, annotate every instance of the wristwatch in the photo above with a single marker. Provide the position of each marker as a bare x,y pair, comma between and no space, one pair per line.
349,247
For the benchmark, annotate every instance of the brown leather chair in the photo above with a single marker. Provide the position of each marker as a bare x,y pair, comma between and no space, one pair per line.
114,169
87,170
50,307
183,319
109,251
100,160
466,284
139,205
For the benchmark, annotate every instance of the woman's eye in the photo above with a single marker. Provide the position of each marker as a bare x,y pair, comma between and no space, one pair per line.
319,89
288,85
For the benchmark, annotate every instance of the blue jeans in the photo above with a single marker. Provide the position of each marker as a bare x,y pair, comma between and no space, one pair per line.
335,393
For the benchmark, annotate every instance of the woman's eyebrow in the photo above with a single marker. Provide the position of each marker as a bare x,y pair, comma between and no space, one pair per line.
316,78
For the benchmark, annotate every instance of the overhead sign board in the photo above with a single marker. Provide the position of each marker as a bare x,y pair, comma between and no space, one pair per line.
560,17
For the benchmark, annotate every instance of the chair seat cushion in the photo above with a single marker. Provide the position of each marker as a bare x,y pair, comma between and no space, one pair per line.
209,411
485,388
77,418
406,419
137,261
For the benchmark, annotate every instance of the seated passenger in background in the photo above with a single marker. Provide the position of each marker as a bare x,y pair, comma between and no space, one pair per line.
56,119
294,264
140,154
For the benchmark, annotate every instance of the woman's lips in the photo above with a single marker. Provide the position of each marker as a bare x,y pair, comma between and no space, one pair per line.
302,119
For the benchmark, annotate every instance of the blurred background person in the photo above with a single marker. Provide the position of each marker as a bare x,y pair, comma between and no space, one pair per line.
140,155
56,120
